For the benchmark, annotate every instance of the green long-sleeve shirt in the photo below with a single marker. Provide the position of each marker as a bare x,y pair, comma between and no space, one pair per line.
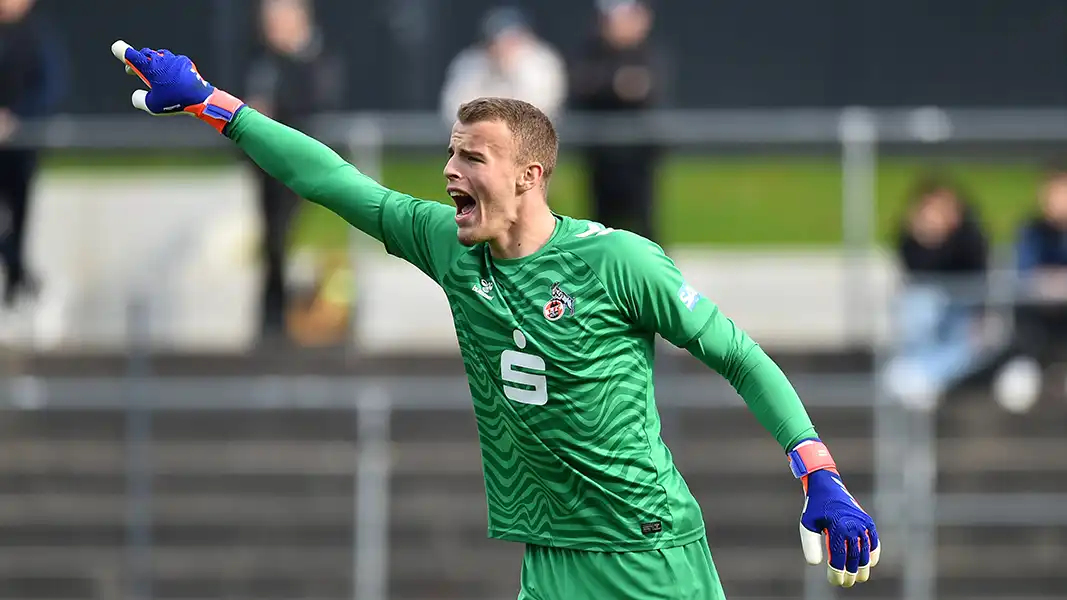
558,347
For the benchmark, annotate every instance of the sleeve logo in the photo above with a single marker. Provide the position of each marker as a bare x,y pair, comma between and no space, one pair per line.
688,296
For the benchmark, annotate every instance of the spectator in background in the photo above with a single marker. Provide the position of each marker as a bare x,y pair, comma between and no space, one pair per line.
944,254
509,62
294,78
32,79
1041,318
621,72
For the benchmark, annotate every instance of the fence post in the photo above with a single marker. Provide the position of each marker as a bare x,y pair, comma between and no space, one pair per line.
138,446
919,566
371,510
858,135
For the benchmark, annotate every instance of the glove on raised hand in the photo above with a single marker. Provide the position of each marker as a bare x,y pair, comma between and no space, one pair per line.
175,86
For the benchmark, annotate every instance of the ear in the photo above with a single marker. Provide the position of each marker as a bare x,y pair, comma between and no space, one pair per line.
530,177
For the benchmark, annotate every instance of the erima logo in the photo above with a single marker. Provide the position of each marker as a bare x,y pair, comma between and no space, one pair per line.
688,296
484,288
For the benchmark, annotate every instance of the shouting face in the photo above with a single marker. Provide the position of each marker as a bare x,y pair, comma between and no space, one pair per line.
485,179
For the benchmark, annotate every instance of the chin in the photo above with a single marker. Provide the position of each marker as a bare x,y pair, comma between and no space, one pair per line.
471,236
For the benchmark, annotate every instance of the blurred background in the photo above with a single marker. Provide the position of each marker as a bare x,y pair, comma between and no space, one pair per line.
214,389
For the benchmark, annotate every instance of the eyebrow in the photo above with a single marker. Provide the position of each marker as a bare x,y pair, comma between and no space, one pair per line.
465,152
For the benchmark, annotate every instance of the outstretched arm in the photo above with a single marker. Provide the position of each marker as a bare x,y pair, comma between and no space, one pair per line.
311,169
420,232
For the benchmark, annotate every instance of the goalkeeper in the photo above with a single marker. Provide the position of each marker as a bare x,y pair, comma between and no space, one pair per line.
556,319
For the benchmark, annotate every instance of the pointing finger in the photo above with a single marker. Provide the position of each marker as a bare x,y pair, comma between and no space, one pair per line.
135,61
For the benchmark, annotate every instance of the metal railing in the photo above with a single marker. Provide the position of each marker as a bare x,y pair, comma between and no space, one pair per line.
906,438
908,507
860,134
903,436
372,400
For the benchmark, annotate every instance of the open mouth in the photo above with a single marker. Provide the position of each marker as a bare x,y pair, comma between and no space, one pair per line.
465,204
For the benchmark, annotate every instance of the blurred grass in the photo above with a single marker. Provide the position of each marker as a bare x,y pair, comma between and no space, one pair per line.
722,201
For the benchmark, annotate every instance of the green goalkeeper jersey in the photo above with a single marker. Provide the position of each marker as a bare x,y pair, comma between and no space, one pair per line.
558,350
558,347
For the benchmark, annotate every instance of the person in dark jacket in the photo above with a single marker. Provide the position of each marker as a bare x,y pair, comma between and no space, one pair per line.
941,237
295,77
621,72
32,77
1041,316
943,250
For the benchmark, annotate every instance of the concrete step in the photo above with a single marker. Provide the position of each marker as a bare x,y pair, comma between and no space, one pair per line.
239,484
191,509
236,561
1030,568
338,458
293,425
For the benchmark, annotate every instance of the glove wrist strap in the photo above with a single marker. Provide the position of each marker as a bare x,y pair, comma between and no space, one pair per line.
218,109
810,456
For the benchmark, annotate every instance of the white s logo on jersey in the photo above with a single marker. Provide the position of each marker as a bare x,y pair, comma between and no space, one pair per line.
509,360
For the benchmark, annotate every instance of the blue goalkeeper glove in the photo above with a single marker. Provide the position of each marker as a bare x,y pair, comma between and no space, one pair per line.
175,86
832,518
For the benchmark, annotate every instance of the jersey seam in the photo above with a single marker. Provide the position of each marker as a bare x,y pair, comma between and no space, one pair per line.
672,540
381,222
596,275
703,328
644,415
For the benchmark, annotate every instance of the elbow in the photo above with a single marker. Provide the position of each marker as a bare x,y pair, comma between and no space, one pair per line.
740,363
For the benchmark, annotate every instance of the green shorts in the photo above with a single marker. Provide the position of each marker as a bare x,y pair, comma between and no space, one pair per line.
680,573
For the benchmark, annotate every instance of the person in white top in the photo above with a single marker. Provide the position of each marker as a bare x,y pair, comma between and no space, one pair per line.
509,62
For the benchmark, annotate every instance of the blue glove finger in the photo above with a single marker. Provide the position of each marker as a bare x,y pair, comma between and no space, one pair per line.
836,547
137,58
852,560
132,59
876,546
864,571
837,550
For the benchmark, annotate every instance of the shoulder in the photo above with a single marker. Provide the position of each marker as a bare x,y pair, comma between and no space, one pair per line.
607,249
1034,226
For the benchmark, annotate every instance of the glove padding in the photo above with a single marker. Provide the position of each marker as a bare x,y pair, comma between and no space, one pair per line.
832,518
175,86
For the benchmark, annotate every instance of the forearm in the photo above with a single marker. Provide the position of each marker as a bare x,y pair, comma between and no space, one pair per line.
311,169
758,380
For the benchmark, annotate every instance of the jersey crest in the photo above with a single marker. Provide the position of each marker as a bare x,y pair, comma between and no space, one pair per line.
560,304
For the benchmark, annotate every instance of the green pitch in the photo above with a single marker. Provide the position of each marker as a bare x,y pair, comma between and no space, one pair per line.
767,200
747,201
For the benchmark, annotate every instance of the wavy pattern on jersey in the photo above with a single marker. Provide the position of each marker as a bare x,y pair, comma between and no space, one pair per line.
580,470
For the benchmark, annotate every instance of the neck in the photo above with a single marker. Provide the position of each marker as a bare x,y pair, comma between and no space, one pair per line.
528,234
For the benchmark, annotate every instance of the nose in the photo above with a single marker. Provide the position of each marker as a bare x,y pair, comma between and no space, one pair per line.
450,171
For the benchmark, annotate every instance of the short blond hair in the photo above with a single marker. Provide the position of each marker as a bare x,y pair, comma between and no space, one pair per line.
535,136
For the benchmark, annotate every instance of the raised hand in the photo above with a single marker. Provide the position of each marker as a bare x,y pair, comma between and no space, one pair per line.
175,86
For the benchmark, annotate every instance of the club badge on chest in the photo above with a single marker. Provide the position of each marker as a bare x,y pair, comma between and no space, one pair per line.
560,304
